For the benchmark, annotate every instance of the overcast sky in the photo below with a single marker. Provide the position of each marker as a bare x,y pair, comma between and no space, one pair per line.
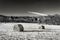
18,8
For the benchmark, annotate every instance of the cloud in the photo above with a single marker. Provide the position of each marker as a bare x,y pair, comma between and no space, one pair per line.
41,14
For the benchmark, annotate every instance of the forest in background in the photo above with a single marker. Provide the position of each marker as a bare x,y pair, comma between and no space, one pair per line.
50,19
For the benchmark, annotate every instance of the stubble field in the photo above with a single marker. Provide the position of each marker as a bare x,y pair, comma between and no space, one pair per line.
29,35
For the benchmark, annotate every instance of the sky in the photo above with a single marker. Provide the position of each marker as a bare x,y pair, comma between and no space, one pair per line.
22,7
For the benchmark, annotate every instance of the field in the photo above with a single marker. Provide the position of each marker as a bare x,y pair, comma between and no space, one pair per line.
29,36
28,26
7,33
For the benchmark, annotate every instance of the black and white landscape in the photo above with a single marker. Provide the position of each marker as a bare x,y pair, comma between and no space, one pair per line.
29,20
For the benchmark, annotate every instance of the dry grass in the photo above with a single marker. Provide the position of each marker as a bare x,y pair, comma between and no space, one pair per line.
29,36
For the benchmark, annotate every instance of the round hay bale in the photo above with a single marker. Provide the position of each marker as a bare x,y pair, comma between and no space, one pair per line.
18,28
43,27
